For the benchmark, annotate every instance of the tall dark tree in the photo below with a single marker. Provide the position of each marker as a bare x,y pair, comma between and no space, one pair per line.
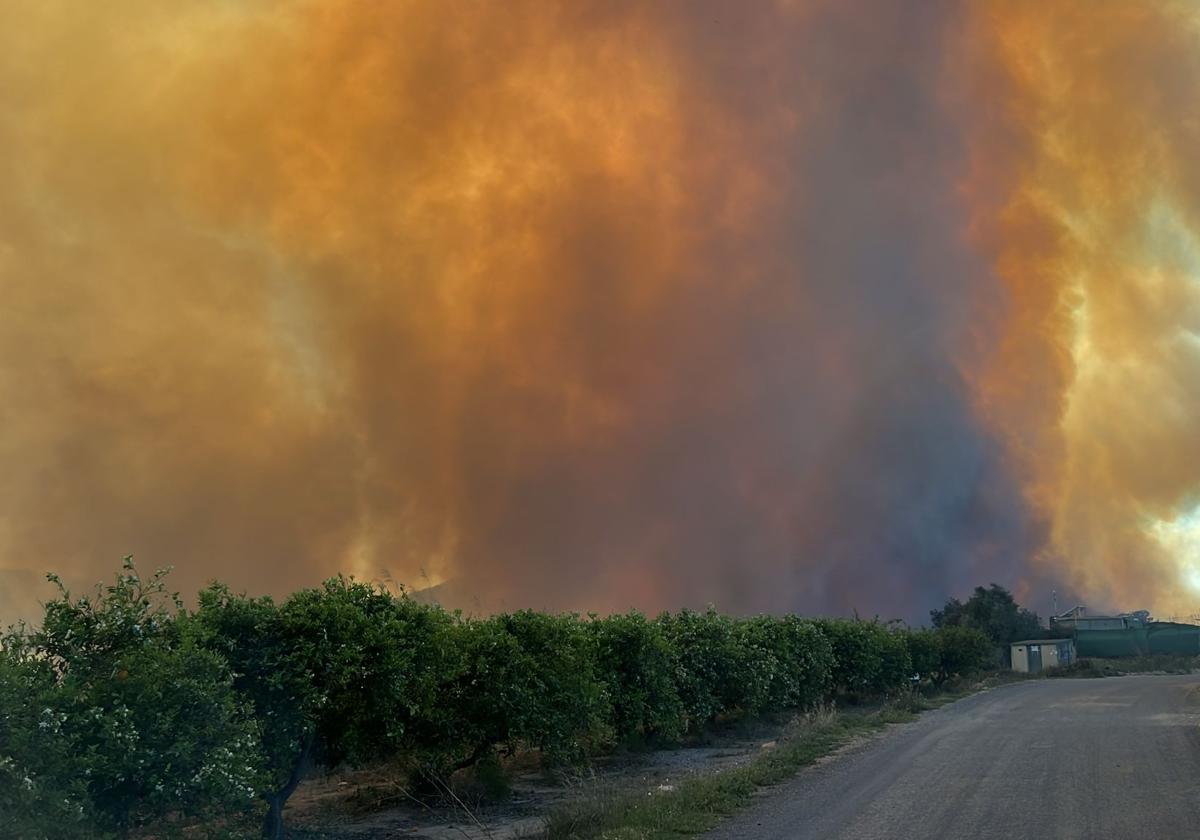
995,612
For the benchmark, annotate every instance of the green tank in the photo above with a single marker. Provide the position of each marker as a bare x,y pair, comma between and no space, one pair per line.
1111,644
1168,637
1139,640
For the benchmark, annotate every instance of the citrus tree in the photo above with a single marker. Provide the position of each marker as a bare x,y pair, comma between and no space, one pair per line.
529,679
116,716
636,662
345,673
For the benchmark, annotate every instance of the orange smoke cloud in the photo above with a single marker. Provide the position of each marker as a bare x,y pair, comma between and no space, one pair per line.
598,304
1093,221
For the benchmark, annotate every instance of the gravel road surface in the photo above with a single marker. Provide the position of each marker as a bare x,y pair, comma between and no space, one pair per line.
1063,758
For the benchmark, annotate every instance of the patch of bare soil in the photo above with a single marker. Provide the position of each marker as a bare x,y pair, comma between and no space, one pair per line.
376,803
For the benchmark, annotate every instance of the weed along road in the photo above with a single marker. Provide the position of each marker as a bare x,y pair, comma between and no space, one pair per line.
1056,758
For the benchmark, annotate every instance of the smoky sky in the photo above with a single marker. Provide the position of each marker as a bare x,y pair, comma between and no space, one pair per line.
579,306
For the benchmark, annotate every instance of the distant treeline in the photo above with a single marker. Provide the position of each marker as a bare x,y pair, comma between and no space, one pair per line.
124,709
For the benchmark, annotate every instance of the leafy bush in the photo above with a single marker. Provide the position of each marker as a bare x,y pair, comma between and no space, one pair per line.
857,658
924,650
895,664
790,660
761,678
43,791
708,665
637,662
962,650
744,666
937,655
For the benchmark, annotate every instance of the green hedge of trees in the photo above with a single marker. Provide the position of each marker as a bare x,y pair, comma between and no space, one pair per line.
124,709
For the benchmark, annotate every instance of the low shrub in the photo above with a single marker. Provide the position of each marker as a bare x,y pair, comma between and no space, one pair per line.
1085,668
1166,663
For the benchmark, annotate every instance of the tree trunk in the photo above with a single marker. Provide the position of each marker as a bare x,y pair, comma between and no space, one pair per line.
273,822
474,758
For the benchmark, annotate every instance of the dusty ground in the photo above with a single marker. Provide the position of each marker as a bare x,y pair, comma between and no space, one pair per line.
373,804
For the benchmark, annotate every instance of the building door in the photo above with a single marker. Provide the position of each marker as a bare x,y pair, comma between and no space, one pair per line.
1035,658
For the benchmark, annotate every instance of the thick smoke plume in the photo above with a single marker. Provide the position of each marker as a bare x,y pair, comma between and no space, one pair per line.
820,306
1088,190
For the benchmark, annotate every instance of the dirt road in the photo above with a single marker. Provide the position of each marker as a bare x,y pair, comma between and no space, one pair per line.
1065,758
